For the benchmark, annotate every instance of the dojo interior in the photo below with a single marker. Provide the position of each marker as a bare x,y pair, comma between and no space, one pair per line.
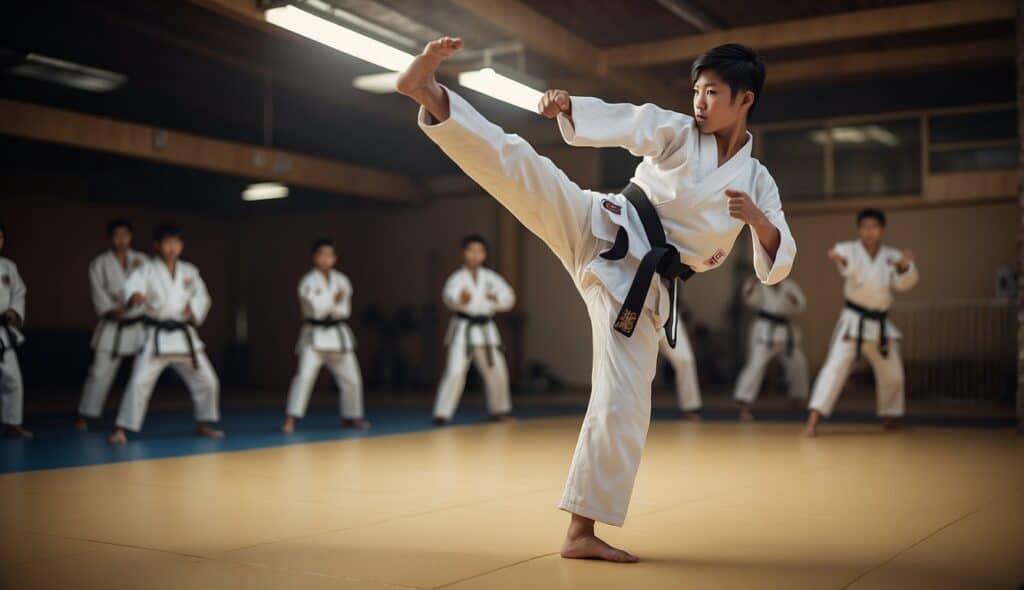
907,106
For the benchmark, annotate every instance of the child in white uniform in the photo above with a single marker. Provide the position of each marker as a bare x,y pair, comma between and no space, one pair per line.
695,190
873,273
325,297
475,293
12,318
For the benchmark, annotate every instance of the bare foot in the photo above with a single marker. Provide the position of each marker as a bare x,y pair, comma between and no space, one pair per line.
419,82
15,431
745,414
501,418
81,424
289,425
891,424
690,416
591,547
356,423
439,421
207,431
809,431
118,437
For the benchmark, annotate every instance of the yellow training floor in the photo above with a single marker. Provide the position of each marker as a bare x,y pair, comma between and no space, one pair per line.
717,505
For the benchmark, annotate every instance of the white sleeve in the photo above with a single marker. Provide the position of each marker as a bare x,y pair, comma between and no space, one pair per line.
793,290
315,305
136,283
451,292
18,291
645,130
343,308
503,293
844,249
771,271
904,281
101,300
200,301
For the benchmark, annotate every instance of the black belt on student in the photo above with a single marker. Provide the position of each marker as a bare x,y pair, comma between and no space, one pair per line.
5,325
776,321
172,326
119,325
337,324
663,259
479,321
871,314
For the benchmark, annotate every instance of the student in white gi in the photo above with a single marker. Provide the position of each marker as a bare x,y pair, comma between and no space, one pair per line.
475,293
772,336
684,366
872,273
174,299
697,181
325,298
119,333
12,318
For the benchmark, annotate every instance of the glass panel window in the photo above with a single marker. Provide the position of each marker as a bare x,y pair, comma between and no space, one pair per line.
796,161
877,159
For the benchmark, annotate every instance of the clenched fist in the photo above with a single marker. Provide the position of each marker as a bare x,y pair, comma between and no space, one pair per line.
554,102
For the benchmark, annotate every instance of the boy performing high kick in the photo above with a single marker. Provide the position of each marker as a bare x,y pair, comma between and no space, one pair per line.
688,201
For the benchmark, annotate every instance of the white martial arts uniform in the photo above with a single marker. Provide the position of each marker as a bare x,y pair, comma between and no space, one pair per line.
681,176
112,340
166,300
870,283
684,365
12,296
331,345
769,340
479,342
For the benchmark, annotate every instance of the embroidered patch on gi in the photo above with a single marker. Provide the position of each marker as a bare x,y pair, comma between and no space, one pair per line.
626,322
716,258
610,206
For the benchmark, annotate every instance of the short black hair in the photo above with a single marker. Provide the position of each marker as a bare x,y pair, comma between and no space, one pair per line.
871,213
168,230
320,243
474,239
115,224
740,66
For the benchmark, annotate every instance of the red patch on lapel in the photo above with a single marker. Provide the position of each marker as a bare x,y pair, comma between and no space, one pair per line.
610,206
716,258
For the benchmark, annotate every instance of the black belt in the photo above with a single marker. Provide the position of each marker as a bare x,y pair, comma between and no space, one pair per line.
663,258
11,337
172,326
779,320
479,321
331,323
871,314
121,324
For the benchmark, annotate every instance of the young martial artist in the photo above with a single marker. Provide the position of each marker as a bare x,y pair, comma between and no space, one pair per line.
119,333
325,298
772,336
174,300
12,318
684,365
475,293
872,273
695,190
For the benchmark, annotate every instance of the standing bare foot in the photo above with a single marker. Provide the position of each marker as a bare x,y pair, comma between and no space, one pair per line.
419,82
289,425
811,430
118,437
581,543
356,423
501,418
439,421
690,416
891,424
81,424
207,431
16,431
745,414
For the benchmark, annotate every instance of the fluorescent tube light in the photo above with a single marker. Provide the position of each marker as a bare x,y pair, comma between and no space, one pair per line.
488,81
66,73
264,191
338,37
377,83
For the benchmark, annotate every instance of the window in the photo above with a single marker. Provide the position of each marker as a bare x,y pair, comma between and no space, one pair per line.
876,159
797,162
985,140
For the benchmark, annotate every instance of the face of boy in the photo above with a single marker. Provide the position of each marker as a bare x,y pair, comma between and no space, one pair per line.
714,106
170,248
121,239
324,258
870,231
474,254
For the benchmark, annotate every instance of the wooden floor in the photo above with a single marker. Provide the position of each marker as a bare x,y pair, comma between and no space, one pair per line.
717,505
